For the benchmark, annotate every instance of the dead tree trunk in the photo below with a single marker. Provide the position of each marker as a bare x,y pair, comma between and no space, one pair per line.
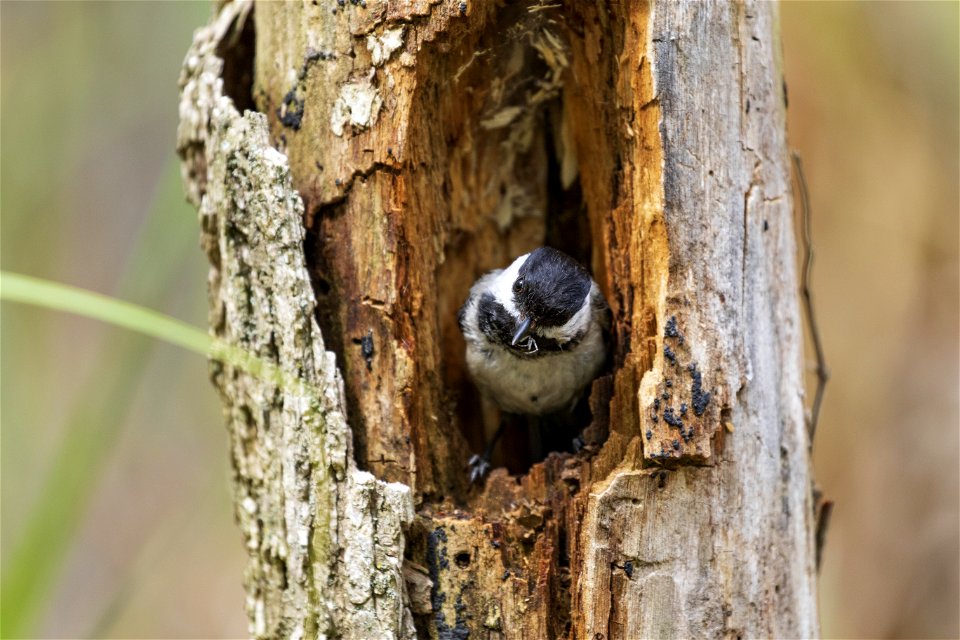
393,151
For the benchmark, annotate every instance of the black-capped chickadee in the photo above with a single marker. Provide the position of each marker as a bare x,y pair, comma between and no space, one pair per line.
536,334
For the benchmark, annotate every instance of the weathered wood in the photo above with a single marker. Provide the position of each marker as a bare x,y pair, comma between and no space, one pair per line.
429,141
324,538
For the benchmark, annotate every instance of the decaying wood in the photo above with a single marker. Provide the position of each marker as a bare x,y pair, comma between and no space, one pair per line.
398,150
324,538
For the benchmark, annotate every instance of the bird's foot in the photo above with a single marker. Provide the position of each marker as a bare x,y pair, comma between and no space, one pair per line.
479,467
578,444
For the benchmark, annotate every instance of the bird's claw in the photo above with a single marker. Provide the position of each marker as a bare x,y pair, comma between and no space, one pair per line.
479,467
578,444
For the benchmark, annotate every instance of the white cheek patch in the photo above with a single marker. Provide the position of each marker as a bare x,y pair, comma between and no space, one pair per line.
575,325
502,287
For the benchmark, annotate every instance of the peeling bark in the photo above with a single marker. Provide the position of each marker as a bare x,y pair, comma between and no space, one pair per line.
398,150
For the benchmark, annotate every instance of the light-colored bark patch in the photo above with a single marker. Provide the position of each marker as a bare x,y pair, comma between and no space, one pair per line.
357,106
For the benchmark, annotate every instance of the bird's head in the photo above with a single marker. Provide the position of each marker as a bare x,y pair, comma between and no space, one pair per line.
544,292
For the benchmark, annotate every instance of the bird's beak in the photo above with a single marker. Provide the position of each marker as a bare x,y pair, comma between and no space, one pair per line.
525,327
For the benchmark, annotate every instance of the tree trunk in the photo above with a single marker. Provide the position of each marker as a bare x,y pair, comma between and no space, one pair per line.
395,150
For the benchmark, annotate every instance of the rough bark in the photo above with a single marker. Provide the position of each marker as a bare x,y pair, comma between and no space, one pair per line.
400,149
324,538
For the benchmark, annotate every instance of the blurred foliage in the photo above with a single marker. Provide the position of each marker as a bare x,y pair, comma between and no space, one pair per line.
874,110
107,438
78,458
113,450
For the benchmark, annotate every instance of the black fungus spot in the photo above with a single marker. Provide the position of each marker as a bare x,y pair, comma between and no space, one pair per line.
463,8
290,111
671,418
435,551
366,349
628,568
676,445
683,408
766,225
698,396
649,434
656,403
462,559
669,354
437,561
671,328
460,630
506,574
669,382
661,479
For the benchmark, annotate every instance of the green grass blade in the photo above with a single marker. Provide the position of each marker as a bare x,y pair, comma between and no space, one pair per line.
97,413
78,460
59,297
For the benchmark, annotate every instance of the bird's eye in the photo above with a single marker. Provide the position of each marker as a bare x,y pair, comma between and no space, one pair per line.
518,285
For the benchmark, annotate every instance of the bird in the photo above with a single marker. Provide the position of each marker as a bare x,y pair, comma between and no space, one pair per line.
537,334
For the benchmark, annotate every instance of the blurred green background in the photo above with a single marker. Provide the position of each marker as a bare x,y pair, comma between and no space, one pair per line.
874,110
117,433
123,436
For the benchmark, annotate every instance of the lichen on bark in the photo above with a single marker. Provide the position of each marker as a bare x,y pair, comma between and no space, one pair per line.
325,539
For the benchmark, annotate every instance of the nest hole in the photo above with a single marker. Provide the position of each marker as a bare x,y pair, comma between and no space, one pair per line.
537,200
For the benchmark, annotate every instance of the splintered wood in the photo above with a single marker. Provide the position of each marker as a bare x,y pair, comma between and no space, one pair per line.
427,142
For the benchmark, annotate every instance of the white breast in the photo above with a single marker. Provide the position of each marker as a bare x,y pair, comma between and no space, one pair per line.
550,383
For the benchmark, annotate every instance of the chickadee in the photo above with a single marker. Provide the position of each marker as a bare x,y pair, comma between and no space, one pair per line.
536,334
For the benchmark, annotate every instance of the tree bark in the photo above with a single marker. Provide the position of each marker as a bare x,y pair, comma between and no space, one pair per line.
391,152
